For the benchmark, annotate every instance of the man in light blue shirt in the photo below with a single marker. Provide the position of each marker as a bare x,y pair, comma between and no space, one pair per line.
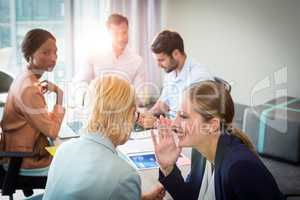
168,51
175,82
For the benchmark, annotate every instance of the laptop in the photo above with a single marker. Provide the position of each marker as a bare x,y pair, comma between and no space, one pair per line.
70,129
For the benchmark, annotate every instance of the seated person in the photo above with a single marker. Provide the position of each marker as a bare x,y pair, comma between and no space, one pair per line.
181,71
232,170
89,167
26,122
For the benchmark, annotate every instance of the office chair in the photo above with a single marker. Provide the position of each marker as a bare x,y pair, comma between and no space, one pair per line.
10,179
5,82
225,83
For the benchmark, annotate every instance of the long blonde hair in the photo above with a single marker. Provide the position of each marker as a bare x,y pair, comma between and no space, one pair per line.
112,103
212,99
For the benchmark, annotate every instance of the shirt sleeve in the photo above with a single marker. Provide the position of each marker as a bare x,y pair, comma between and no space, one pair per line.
33,106
198,73
179,188
128,188
164,96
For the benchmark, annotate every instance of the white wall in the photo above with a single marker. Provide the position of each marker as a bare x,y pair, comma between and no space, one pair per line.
244,41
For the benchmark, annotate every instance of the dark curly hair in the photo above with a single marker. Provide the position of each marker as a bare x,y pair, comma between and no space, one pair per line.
33,40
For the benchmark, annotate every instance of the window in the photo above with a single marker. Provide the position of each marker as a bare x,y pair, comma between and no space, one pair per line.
4,24
19,16
65,19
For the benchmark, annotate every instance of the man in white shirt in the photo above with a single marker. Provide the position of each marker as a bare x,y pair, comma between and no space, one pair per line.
118,60
168,51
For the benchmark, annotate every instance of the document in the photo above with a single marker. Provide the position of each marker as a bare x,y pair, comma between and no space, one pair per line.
51,150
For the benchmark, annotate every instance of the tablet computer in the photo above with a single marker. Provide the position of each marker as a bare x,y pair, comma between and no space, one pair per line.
144,160
147,160
70,129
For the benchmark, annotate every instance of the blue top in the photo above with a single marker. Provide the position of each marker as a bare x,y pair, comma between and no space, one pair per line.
239,174
174,84
90,168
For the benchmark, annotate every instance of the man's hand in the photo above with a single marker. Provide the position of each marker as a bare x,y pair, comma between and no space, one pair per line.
158,193
147,120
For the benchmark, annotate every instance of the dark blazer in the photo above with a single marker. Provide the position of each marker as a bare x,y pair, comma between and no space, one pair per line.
189,188
239,174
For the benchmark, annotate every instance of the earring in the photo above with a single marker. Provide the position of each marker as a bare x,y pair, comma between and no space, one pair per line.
30,60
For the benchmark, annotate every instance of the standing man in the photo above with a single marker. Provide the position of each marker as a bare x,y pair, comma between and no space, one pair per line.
119,59
181,71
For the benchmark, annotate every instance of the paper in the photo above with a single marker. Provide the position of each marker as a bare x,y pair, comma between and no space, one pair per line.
136,146
51,150
67,129
140,135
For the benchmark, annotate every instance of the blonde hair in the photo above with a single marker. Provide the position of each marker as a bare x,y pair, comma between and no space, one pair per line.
112,104
211,99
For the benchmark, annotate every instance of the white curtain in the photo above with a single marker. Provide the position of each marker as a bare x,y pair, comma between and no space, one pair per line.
88,22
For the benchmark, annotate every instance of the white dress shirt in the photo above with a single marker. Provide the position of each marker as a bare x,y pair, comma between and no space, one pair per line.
128,65
207,190
174,84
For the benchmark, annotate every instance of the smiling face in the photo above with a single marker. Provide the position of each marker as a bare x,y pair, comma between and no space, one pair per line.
166,62
44,58
192,128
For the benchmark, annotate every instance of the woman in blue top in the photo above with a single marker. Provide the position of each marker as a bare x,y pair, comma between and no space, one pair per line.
90,167
232,169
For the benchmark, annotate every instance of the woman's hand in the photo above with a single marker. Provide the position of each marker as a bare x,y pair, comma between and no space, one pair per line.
48,86
51,87
158,193
166,150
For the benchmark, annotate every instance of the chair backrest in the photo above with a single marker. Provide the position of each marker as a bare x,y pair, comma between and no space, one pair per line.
5,82
10,179
225,83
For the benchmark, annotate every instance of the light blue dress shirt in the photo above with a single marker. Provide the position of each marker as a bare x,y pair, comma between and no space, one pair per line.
89,168
174,84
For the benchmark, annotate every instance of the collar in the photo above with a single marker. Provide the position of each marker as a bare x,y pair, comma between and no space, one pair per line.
184,71
100,139
124,53
31,74
225,144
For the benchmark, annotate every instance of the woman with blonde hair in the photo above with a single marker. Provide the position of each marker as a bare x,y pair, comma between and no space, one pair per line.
232,171
89,167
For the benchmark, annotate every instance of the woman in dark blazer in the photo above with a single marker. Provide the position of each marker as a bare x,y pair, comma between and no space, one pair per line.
230,169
